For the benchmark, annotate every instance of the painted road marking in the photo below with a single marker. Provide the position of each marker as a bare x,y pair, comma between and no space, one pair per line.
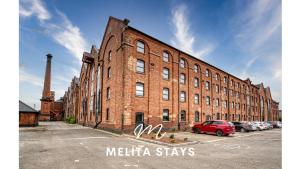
241,136
75,138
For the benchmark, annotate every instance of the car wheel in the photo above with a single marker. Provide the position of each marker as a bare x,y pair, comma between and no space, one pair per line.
197,131
219,133
242,130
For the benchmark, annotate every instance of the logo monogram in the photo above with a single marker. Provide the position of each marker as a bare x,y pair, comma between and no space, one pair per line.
141,131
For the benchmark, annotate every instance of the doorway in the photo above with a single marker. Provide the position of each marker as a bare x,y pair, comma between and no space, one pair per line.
139,119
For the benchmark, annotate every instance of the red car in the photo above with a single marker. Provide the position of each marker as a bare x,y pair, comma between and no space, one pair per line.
218,127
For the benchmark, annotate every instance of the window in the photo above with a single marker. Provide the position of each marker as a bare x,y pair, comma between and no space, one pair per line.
225,103
182,115
218,116
166,73
196,68
165,57
207,85
109,56
225,90
139,89
207,73
182,78
231,92
108,93
182,96
182,63
108,73
107,114
225,79
217,102
207,100
196,82
217,88
140,66
140,47
166,115
232,105
196,116
231,83
217,76
196,98
166,94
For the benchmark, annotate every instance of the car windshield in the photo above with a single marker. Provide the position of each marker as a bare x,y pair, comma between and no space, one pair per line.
231,124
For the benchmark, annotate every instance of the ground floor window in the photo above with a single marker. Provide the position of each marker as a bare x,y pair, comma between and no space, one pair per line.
218,116
196,116
226,116
208,117
166,115
182,115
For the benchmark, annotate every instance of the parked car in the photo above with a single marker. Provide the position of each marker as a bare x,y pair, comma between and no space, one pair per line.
242,127
259,125
218,127
277,124
252,125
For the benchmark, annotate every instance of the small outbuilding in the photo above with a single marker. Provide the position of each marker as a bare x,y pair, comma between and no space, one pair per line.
28,116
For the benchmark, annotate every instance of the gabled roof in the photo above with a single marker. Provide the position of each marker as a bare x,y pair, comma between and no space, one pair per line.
25,108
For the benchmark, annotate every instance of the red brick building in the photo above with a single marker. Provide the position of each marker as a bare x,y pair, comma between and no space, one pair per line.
71,99
135,78
28,116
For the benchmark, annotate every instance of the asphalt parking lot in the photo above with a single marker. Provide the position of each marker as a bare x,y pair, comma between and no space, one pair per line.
63,146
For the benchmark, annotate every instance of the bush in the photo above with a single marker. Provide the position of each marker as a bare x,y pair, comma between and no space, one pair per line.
71,120
172,136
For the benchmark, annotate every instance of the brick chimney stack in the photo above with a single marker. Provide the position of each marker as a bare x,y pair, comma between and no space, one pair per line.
46,100
47,80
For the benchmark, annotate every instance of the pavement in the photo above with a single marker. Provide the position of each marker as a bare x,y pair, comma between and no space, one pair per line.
57,145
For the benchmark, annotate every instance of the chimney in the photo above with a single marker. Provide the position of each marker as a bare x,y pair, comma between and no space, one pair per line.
47,80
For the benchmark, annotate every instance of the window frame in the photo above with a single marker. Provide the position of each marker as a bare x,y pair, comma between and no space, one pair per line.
168,116
168,93
140,67
138,47
139,84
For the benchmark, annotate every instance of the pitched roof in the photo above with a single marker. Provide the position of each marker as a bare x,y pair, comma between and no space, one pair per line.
25,108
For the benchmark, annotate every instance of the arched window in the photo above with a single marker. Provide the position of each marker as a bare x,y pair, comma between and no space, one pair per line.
166,57
217,76
139,89
207,73
109,56
140,47
207,100
182,63
196,99
196,68
165,73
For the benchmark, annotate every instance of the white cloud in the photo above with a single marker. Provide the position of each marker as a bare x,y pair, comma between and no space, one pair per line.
184,38
70,37
258,24
33,7
30,78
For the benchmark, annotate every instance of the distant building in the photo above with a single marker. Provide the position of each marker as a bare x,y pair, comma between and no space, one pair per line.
71,99
28,116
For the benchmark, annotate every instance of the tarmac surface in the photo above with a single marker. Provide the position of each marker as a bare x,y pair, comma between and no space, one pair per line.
57,145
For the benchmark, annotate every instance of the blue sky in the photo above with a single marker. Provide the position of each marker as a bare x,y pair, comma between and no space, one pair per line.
240,37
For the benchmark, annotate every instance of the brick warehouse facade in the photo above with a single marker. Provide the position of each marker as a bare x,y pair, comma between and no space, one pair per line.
134,78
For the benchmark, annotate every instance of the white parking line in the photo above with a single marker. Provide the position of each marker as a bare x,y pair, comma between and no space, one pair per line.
75,138
210,141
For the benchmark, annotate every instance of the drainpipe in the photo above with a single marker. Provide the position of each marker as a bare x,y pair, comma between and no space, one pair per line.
178,100
126,21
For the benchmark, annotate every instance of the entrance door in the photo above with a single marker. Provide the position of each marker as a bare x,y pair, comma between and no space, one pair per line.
139,119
